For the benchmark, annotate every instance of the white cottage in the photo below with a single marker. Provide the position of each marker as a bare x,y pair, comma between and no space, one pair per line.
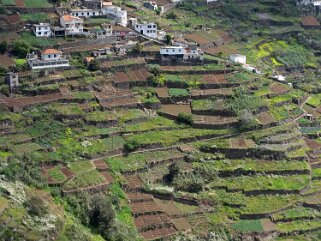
49,58
116,13
147,29
42,30
73,25
180,52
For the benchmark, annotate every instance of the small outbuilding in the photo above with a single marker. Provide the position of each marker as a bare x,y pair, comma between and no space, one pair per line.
310,22
238,58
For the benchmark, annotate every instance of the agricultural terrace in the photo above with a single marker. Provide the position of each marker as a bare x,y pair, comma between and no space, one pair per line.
129,147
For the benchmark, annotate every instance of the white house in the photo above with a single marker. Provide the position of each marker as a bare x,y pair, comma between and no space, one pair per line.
42,30
177,51
147,29
85,13
49,58
194,52
238,58
180,52
116,13
73,25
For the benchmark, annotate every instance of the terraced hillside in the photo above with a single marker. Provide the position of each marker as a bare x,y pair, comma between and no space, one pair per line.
132,147
229,157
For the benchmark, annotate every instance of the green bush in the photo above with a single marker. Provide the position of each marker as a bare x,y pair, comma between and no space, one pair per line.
131,145
3,47
185,118
21,48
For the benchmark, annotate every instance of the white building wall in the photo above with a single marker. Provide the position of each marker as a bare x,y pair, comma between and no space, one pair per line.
117,13
72,27
50,56
85,13
148,29
42,30
238,58
172,51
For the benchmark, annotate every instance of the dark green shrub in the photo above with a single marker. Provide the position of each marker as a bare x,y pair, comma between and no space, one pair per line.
185,118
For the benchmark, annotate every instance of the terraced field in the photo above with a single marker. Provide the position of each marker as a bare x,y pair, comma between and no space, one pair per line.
179,176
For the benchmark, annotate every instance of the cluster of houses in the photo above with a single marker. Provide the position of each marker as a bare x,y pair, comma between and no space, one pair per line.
72,22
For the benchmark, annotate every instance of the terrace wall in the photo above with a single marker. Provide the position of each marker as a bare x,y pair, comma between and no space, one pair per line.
243,153
23,10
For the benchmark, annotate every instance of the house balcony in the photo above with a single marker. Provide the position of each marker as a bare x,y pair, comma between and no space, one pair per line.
44,64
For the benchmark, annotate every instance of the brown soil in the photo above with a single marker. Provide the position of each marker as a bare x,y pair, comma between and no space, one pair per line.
168,206
6,61
268,226
214,79
213,92
278,89
312,144
100,165
176,109
241,143
20,3
133,75
133,182
265,118
162,92
181,224
214,119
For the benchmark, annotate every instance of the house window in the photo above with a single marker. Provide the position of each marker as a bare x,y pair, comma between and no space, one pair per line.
45,33
166,50
55,55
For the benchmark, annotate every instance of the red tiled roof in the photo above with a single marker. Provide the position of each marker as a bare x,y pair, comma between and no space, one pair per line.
70,18
51,51
309,21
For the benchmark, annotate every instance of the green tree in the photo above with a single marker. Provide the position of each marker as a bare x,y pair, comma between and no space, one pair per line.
3,47
102,214
168,38
138,48
158,80
21,48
